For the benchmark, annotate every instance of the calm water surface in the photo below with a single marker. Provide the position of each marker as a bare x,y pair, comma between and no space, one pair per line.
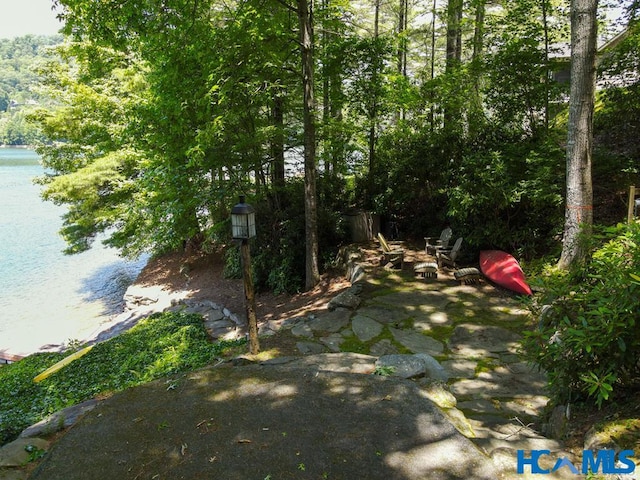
46,297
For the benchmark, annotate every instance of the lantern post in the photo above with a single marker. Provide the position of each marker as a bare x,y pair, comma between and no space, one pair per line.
243,226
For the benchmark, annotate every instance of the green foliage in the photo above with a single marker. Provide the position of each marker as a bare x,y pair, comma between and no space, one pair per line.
97,168
19,59
232,263
279,259
34,452
182,97
617,141
624,58
278,251
384,371
22,401
497,191
16,130
589,340
616,123
158,346
515,95
517,72
509,196
369,90
165,114
494,172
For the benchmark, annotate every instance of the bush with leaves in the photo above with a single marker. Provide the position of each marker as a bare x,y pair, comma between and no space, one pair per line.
278,251
509,195
588,340
408,180
496,190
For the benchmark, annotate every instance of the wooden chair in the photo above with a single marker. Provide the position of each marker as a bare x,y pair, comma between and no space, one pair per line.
393,256
433,244
447,257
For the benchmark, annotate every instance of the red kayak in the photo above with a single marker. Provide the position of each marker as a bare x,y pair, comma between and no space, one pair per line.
504,270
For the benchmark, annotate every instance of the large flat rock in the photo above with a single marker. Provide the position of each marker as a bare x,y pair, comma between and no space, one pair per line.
416,300
383,313
332,321
263,422
480,341
500,383
365,328
417,342
328,362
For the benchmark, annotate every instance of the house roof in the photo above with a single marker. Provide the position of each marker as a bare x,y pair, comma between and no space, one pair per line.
562,51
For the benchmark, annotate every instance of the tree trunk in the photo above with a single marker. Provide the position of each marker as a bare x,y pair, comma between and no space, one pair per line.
338,151
476,110
326,110
579,201
376,19
433,61
547,76
403,13
454,54
403,45
373,113
478,32
312,272
454,34
277,145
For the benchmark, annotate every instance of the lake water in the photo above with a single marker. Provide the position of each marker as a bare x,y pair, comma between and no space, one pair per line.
46,297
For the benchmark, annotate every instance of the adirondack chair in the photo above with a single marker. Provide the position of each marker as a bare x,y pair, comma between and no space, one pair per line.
433,244
447,257
393,256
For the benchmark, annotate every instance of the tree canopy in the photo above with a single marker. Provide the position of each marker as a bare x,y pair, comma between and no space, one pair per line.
424,114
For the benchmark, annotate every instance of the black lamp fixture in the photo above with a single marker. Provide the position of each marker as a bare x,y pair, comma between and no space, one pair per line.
243,220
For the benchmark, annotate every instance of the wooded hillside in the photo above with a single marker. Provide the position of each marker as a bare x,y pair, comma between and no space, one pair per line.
20,87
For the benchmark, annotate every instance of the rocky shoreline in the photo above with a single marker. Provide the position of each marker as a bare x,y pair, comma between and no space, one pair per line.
162,285
142,299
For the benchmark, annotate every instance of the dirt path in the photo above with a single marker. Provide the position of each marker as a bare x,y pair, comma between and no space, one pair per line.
205,281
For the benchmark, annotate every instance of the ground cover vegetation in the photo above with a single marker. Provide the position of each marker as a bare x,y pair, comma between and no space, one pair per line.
159,346
426,115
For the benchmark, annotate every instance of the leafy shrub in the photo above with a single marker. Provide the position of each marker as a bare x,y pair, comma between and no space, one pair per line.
21,400
588,341
497,189
278,251
509,196
232,263
160,345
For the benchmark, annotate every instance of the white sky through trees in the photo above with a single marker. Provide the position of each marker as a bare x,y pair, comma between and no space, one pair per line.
35,17
27,17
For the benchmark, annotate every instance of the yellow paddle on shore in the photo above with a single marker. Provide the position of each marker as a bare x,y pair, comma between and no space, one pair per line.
62,363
